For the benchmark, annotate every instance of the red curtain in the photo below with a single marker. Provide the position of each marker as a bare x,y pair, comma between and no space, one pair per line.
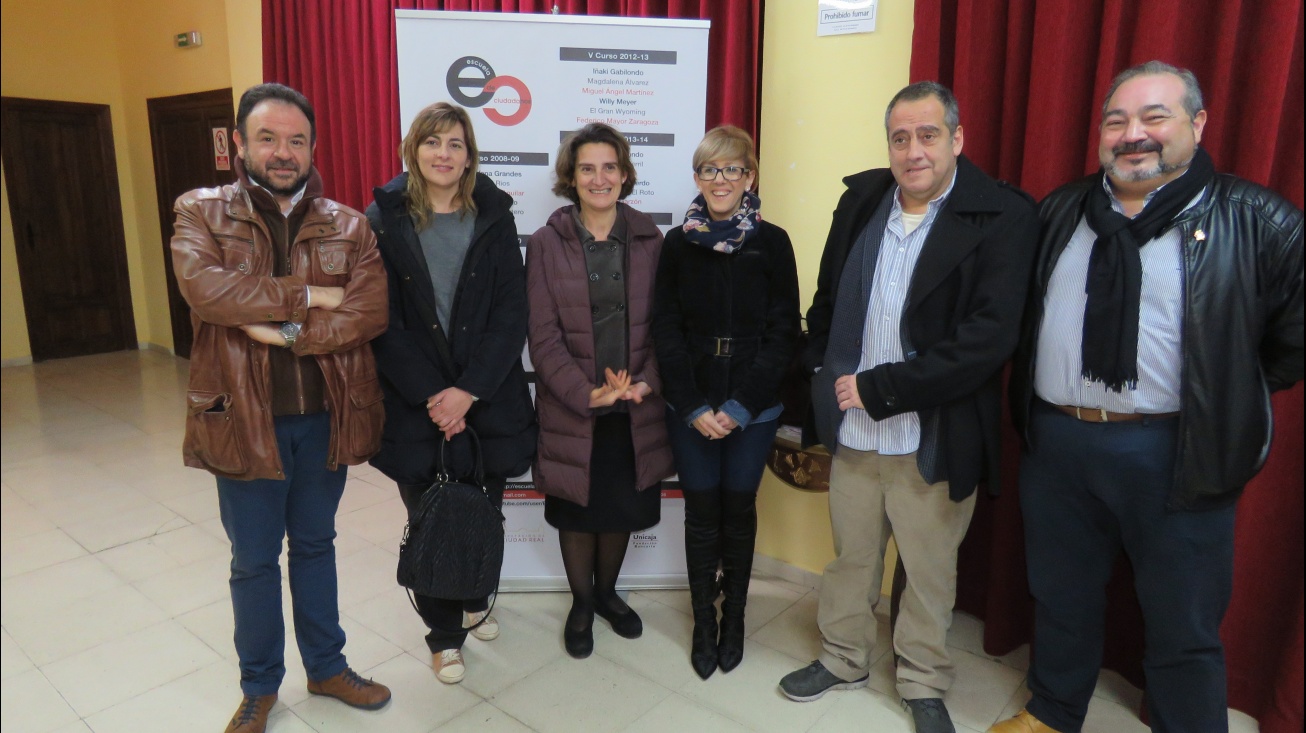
341,55
1030,77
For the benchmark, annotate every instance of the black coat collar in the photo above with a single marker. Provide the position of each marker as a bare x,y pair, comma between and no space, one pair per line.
956,230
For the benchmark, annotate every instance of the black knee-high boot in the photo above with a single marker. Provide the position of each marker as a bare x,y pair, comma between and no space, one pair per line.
738,537
702,552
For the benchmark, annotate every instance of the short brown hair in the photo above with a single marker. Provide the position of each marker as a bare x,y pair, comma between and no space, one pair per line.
433,120
726,142
564,169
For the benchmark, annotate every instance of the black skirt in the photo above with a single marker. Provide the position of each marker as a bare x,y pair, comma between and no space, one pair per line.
614,503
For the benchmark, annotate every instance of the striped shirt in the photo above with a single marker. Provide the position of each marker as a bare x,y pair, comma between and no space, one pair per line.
882,332
1058,372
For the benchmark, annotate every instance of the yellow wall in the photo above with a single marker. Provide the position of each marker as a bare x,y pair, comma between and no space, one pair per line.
120,53
823,105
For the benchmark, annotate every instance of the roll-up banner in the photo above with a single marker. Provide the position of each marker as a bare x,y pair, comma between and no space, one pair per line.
527,81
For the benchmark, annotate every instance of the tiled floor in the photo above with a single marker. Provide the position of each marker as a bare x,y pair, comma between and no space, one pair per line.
116,615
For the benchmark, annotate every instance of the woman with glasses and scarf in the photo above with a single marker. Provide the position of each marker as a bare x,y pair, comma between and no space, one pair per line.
725,325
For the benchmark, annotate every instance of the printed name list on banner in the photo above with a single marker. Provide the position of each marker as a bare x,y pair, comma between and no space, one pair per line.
529,80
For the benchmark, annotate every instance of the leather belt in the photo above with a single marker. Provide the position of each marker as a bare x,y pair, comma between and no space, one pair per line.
722,345
1097,414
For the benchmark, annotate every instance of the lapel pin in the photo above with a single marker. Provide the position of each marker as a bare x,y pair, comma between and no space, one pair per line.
1199,235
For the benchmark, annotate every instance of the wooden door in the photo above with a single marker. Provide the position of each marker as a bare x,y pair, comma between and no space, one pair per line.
188,154
62,179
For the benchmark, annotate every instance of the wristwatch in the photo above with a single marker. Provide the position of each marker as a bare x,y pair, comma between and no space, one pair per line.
290,332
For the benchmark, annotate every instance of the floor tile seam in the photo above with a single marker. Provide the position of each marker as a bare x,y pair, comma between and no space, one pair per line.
67,703
1020,691
994,661
490,702
711,702
663,603
130,632
986,657
155,533
86,718
889,702
366,672
692,701
498,696
796,660
599,651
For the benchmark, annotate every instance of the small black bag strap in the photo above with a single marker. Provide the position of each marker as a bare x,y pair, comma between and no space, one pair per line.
478,471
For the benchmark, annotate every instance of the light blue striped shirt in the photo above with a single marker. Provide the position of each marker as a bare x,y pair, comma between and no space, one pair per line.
1058,372
882,331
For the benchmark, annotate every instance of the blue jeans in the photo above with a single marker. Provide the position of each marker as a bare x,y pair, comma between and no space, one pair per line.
257,515
733,464
1088,491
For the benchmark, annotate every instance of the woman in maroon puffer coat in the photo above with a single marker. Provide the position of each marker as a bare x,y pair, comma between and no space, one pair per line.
603,447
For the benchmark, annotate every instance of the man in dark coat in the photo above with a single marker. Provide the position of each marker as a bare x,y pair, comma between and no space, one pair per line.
918,306
1166,306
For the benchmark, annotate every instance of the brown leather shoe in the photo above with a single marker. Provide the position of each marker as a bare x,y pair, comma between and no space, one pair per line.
1024,722
352,690
252,715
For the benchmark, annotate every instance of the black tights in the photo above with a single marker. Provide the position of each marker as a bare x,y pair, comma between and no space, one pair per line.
593,562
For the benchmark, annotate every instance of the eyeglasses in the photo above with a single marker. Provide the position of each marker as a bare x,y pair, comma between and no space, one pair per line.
731,172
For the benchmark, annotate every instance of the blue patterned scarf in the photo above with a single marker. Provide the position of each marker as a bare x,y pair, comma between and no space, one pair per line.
727,235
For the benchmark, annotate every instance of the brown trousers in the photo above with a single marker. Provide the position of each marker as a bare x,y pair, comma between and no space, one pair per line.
873,496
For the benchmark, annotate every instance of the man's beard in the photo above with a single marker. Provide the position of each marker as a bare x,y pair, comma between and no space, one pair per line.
1161,168
259,178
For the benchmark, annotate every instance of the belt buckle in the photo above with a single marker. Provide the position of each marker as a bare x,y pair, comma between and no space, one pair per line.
1101,414
723,346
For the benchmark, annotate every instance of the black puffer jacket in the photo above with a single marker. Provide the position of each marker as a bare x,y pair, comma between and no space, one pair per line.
1242,329
486,336
750,296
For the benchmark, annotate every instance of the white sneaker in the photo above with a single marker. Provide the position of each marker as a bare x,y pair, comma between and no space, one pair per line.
486,631
449,666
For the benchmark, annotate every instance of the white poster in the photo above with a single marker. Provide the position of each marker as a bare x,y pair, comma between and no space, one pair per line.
528,81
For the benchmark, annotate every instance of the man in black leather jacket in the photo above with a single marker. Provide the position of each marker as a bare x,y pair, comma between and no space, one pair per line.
1166,306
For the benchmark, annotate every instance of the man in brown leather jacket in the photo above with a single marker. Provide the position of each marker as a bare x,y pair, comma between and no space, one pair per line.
286,289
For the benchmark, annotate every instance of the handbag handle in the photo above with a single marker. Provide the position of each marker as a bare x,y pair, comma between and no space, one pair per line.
479,470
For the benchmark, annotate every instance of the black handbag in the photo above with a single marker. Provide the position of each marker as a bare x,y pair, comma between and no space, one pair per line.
453,545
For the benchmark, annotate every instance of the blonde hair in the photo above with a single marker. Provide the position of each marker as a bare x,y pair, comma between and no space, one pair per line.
435,119
727,142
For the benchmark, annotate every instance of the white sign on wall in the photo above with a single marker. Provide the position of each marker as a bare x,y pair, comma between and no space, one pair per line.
527,81
837,17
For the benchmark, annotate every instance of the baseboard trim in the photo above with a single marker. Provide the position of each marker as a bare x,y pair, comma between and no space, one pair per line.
151,346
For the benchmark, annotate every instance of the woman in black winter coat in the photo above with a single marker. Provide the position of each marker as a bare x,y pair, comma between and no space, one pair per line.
451,356
725,326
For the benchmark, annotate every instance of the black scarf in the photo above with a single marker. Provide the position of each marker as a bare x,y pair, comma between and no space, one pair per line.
1115,272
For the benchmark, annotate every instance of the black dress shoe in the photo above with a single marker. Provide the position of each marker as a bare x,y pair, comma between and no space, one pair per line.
578,632
626,623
